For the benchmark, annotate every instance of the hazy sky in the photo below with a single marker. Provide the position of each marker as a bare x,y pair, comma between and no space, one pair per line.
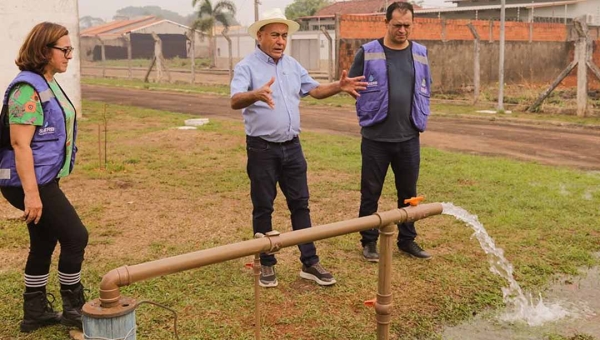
105,9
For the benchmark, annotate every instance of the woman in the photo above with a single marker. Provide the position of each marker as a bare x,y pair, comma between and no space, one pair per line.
41,150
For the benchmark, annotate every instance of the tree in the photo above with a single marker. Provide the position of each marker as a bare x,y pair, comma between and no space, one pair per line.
131,12
89,21
208,17
418,3
304,8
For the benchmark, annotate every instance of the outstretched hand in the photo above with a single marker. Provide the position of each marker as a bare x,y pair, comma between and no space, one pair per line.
352,85
264,93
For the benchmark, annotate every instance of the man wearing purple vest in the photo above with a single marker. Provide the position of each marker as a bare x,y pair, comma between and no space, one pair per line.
392,112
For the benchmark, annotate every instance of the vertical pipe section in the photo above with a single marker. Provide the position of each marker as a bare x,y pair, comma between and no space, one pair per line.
383,305
256,268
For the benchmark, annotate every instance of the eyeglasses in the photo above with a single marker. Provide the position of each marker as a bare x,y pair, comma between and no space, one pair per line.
66,50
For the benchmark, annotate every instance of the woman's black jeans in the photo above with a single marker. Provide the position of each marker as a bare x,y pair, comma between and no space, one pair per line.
59,223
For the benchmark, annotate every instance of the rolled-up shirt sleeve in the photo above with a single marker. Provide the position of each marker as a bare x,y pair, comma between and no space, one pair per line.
307,83
241,82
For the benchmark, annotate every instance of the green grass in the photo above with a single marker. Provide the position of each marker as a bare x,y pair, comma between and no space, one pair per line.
438,107
575,337
166,192
140,84
170,63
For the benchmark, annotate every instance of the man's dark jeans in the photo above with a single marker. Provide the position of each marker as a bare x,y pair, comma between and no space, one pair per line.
405,159
284,163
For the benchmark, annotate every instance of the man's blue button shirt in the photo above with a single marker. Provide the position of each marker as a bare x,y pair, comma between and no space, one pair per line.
292,82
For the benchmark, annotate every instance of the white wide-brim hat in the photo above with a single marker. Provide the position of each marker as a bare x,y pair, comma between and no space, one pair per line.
273,16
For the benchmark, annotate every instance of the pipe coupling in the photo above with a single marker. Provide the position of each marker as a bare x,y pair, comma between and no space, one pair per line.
275,239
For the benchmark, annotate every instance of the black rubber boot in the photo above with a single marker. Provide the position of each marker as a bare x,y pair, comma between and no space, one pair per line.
38,312
73,301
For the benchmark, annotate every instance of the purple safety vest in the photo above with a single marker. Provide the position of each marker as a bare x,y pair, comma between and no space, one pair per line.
372,105
48,144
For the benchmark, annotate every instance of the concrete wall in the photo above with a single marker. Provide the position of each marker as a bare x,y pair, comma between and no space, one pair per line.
167,27
17,18
88,44
450,46
362,27
452,62
323,44
243,44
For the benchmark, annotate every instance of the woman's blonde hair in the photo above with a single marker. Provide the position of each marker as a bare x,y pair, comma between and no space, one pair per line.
34,54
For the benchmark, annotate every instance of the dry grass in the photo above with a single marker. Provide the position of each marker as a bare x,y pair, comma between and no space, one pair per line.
166,192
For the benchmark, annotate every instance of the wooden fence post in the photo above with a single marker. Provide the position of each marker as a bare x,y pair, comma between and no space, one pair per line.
477,63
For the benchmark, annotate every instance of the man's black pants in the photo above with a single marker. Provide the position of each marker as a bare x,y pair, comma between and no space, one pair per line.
284,163
405,158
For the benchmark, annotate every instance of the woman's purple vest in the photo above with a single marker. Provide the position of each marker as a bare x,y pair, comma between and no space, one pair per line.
48,144
372,105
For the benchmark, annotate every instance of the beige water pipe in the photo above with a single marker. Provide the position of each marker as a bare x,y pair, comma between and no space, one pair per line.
126,275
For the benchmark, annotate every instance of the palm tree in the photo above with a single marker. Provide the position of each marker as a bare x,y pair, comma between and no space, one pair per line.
208,16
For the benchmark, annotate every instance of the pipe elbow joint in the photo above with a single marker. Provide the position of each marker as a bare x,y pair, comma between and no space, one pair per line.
109,286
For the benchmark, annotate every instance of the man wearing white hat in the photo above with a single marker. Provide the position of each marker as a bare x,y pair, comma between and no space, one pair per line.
267,86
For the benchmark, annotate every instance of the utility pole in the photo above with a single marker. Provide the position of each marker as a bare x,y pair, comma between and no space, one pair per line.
500,107
256,3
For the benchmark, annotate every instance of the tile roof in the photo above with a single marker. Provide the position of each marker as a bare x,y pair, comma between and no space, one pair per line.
118,27
354,7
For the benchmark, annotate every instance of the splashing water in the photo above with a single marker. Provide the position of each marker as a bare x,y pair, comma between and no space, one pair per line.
520,307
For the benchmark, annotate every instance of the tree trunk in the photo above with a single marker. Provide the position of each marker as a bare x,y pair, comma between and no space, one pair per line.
211,50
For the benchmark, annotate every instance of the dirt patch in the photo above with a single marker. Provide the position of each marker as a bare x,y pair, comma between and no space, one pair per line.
546,144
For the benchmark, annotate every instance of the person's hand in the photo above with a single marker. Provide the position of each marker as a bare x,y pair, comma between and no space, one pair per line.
33,208
352,85
264,93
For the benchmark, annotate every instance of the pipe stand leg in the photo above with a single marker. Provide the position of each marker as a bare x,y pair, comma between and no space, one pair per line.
256,267
383,306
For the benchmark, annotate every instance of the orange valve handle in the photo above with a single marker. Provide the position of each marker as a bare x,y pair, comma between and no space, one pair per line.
414,201
370,303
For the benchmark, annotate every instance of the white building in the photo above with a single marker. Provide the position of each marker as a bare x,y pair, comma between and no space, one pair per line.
310,48
560,11
113,35
17,18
